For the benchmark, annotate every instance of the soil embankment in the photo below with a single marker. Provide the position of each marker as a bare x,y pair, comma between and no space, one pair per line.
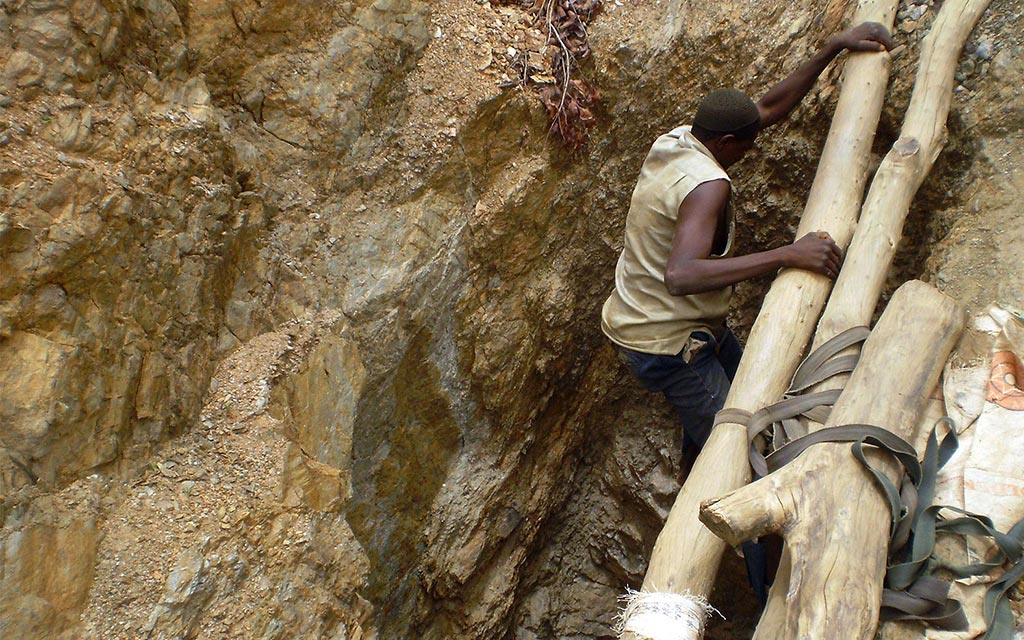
298,304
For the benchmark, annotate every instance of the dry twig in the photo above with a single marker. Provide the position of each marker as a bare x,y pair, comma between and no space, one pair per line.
569,101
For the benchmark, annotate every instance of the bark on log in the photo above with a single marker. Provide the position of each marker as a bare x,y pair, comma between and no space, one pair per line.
901,173
686,556
897,180
825,504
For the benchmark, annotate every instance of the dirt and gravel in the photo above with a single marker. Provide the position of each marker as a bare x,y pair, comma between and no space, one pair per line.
197,492
223,474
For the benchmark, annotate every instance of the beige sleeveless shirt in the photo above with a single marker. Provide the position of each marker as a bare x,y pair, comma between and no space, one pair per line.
641,314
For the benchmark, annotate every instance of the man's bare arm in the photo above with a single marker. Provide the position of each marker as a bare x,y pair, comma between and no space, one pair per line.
690,268
781,99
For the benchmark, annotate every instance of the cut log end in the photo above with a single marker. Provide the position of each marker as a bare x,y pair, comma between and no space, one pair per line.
907,146
746,513
717,522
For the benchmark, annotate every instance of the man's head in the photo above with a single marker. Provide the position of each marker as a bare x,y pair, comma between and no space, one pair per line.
727,122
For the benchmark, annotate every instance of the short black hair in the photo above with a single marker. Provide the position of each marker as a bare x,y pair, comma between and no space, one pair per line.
726,111
748,132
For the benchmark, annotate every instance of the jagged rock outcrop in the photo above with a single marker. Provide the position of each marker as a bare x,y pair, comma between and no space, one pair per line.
122,223
456,452
122,219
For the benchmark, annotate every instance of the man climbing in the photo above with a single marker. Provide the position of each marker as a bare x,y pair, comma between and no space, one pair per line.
675,276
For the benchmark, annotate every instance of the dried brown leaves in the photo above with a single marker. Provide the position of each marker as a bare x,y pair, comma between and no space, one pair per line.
569,101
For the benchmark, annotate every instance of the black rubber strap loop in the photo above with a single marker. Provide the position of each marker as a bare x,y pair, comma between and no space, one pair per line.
808,373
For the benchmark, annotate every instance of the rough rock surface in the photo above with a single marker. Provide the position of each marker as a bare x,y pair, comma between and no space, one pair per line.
415,428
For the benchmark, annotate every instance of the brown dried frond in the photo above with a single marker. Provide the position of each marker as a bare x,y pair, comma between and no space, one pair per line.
568,100
570,111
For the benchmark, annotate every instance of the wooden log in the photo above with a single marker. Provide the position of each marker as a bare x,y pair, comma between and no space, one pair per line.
833,517
901,173
686,556
870,256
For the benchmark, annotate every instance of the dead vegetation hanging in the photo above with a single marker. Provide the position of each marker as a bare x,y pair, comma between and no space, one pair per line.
549,62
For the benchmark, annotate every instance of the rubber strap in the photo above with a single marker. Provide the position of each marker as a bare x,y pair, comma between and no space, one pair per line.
911,593
808,373
777,413
778,423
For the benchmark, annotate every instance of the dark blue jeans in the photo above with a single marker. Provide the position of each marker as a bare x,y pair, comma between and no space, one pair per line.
697,390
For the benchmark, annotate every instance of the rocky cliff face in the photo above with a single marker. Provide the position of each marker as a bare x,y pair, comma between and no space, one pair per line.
298,309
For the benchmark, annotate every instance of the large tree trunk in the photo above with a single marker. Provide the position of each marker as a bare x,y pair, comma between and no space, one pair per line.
686,556
834,518
901,173
898,178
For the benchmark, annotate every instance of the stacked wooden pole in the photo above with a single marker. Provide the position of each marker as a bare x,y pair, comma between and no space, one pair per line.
685,559
686,556
870,256
901,173
834,519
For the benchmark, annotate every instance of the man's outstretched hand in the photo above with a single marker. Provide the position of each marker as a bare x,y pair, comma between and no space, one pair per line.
816,252
867,36
775,105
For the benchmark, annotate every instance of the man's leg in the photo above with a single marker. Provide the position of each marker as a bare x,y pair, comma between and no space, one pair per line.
729,353
695,389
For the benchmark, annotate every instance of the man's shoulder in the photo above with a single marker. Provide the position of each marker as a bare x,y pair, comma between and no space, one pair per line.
679,152
681,136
